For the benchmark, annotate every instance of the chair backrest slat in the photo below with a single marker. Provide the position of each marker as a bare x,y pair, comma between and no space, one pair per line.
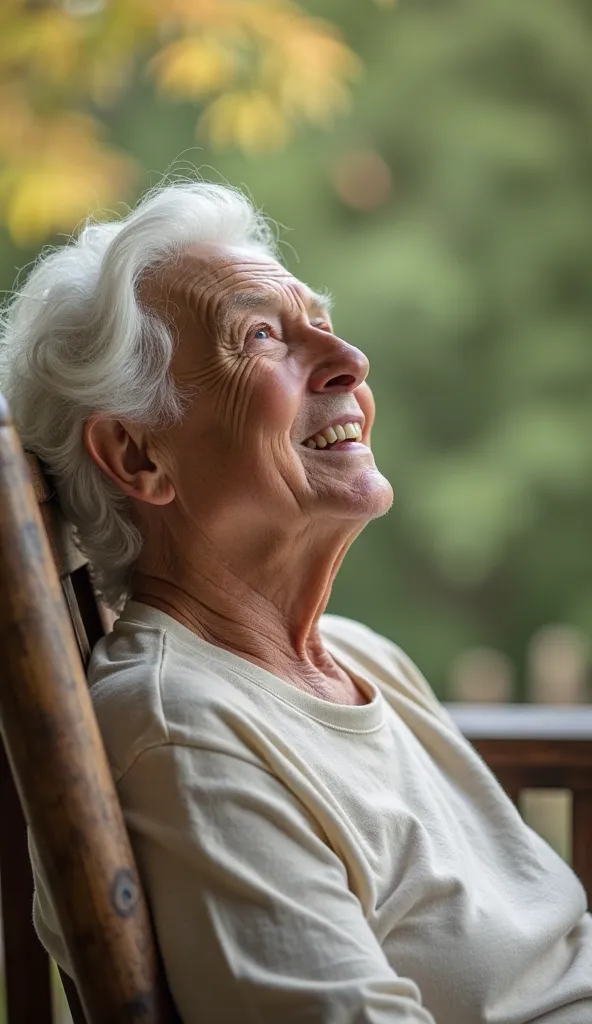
57,757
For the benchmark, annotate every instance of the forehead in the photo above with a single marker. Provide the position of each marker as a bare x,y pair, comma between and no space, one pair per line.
224,281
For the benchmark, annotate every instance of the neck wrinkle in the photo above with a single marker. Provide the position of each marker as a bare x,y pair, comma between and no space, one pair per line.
260,601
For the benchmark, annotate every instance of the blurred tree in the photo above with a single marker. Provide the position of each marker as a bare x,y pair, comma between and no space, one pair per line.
258,65
450,216
476,311
466,279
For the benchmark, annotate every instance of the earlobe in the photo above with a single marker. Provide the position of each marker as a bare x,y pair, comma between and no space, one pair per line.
163,494
119,450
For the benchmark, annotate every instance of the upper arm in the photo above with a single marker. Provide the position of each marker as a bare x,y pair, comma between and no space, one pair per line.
252,908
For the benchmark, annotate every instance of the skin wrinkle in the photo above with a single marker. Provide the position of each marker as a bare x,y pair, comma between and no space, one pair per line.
260,299
239,399
244,528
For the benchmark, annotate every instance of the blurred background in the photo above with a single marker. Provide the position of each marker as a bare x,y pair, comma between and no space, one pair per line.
429,162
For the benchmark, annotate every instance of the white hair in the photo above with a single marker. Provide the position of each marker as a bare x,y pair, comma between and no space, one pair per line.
75,340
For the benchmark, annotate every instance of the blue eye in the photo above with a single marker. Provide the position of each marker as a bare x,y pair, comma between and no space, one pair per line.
262,334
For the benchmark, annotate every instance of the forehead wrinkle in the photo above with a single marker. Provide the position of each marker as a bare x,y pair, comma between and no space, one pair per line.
266,300
202,299
180,288
205,299
244,302
205,286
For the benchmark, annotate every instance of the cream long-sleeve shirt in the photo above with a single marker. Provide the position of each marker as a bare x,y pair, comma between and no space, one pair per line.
308,861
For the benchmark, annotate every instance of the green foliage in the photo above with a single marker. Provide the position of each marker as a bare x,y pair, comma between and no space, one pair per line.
257,68
468,287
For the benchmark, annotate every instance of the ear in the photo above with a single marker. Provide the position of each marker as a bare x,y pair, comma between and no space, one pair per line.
126,454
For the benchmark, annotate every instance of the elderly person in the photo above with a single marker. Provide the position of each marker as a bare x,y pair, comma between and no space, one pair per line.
317,840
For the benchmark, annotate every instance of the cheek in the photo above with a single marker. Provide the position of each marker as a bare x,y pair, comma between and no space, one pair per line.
275,400
223,435
365,400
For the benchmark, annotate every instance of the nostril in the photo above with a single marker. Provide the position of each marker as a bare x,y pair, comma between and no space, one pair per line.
344,380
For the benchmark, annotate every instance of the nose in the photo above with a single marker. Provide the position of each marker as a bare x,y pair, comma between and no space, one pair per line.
340,367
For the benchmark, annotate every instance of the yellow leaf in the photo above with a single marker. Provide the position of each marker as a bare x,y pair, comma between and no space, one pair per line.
17,122
308,72
70,175
261,63
250,120
107,80
193,67
219,13
48,41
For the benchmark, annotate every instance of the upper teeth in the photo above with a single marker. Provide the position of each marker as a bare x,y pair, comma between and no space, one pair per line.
331,434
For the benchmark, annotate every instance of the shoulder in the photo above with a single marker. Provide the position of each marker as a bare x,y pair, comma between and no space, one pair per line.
149,691
124,680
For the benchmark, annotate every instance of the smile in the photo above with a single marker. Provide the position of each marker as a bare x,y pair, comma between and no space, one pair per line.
333,436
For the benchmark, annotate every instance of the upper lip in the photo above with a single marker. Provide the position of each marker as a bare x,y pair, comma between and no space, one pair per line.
352,417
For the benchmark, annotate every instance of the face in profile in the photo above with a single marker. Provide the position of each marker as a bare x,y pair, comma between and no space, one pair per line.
280,417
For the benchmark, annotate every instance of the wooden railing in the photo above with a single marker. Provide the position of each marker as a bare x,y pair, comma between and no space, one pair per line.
539,747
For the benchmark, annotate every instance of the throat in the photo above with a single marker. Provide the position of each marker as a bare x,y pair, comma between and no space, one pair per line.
334,685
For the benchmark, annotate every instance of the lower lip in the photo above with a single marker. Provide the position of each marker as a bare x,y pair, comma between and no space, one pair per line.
353,447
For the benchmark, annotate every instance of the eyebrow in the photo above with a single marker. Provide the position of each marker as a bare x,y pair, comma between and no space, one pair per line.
267,301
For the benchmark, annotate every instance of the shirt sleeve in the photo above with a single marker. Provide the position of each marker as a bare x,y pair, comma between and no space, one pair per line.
252,909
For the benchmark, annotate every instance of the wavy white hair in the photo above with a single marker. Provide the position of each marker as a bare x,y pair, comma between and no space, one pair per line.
75,340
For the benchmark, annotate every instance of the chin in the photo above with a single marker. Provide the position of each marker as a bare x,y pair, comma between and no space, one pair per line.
378,492
368,497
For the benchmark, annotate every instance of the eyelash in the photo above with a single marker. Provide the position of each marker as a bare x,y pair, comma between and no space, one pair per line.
263,327
321,326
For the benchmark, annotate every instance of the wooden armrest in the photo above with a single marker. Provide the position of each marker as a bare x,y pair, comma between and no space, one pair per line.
523,721
539,746
531,744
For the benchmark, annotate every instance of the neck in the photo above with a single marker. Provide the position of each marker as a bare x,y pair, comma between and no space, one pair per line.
263,605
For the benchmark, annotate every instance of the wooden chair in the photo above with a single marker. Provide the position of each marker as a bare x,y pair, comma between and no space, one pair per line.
49,622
